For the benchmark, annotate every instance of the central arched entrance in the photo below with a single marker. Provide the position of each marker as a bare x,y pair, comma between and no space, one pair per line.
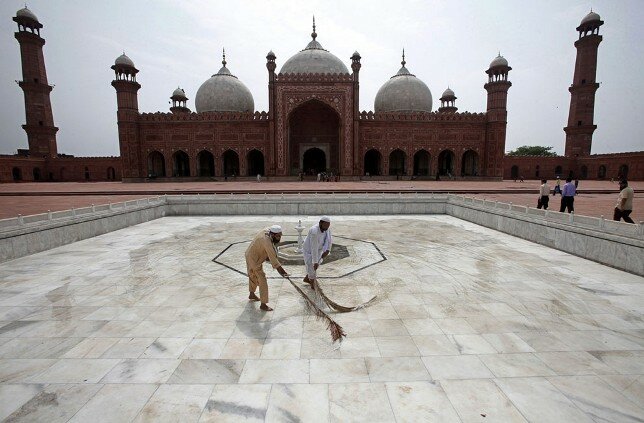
314,161
313,135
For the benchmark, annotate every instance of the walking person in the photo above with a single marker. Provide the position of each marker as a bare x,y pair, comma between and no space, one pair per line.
544,193
557,189
624,205
568,196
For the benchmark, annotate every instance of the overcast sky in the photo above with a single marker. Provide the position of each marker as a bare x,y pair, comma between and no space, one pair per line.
178,43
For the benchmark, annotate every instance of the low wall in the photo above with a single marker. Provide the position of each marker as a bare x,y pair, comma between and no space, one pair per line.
615,244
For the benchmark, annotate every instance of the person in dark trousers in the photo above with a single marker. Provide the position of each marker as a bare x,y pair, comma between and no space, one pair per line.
544,193
568,196
624,205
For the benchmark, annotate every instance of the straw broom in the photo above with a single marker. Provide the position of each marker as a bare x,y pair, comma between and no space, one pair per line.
337,333
335,306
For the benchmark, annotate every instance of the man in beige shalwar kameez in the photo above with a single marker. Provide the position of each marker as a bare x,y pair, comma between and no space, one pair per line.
262,249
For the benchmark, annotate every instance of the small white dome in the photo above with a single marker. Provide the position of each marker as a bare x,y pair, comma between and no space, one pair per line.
179,93
498,61
123,60
591,17
448,93
26,13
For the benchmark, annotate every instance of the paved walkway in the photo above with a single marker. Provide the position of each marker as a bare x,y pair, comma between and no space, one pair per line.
470,324
596,198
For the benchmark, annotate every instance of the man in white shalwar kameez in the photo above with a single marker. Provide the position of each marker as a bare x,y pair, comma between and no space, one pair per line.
317,246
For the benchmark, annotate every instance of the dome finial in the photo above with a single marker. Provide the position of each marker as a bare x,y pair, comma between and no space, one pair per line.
403,58
223,62
314,34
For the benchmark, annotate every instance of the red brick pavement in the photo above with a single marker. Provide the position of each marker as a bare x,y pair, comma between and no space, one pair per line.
596,197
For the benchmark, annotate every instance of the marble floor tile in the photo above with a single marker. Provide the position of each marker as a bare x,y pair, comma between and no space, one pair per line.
539,401
207,371
435,345
91,348
175,403
292,402
115,403
146,370
242,348
19,370
324,348
166,348
37,347
623,362
456,325
12,397
218,329
182,330
75,370
478,400
281,348
128,348
388,327
256,330
420,401
507,343
574,363
237,403
54,403
275,371
359,402
345,370
543,341
632,386
516,365
421,327
472,344
203,348
396,369
358,347
397,346
598,399
456,367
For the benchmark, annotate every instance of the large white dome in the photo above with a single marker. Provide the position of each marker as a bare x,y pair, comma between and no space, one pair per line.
403,93
314,59
223,92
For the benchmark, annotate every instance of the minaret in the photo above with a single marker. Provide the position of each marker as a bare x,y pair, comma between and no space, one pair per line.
179,102
40,129
271,158
128,116
497,115
448,102
579,132
355,67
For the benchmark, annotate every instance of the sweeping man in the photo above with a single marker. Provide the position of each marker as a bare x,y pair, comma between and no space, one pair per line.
261,249
317,246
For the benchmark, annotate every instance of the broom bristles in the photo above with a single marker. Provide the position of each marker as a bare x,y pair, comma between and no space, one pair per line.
335,306
337,333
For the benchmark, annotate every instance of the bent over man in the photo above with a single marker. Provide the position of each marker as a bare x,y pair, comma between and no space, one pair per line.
261,249
317,246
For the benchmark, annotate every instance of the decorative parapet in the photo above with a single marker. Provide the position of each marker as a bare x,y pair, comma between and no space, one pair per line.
314,77
424,117
203,117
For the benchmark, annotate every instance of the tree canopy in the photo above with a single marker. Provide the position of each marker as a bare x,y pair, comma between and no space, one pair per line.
533,150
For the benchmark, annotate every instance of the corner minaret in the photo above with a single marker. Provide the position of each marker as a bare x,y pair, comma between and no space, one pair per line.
497,115
448,102
179,101
128,116
40,129
579,132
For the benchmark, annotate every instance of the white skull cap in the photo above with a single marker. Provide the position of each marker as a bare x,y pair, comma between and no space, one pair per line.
275,229
325,219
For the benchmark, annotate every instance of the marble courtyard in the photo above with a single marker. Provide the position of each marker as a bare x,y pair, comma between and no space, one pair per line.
152,323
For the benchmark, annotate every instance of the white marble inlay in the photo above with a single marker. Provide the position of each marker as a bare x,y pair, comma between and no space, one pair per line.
468,321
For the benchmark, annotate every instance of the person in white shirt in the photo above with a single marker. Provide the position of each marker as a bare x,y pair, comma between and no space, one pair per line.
317,246
624,205
544,193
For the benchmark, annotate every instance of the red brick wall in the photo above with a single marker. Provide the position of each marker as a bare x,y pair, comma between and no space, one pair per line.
65,169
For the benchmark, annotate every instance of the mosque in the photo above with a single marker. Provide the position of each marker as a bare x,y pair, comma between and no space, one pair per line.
313,125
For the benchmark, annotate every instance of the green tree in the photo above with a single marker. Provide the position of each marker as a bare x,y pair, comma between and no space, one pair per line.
533,150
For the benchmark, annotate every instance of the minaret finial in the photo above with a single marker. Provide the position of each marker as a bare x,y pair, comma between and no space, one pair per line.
223,62
314,34
403,60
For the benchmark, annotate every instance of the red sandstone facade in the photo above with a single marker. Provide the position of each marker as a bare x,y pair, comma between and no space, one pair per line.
313,125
